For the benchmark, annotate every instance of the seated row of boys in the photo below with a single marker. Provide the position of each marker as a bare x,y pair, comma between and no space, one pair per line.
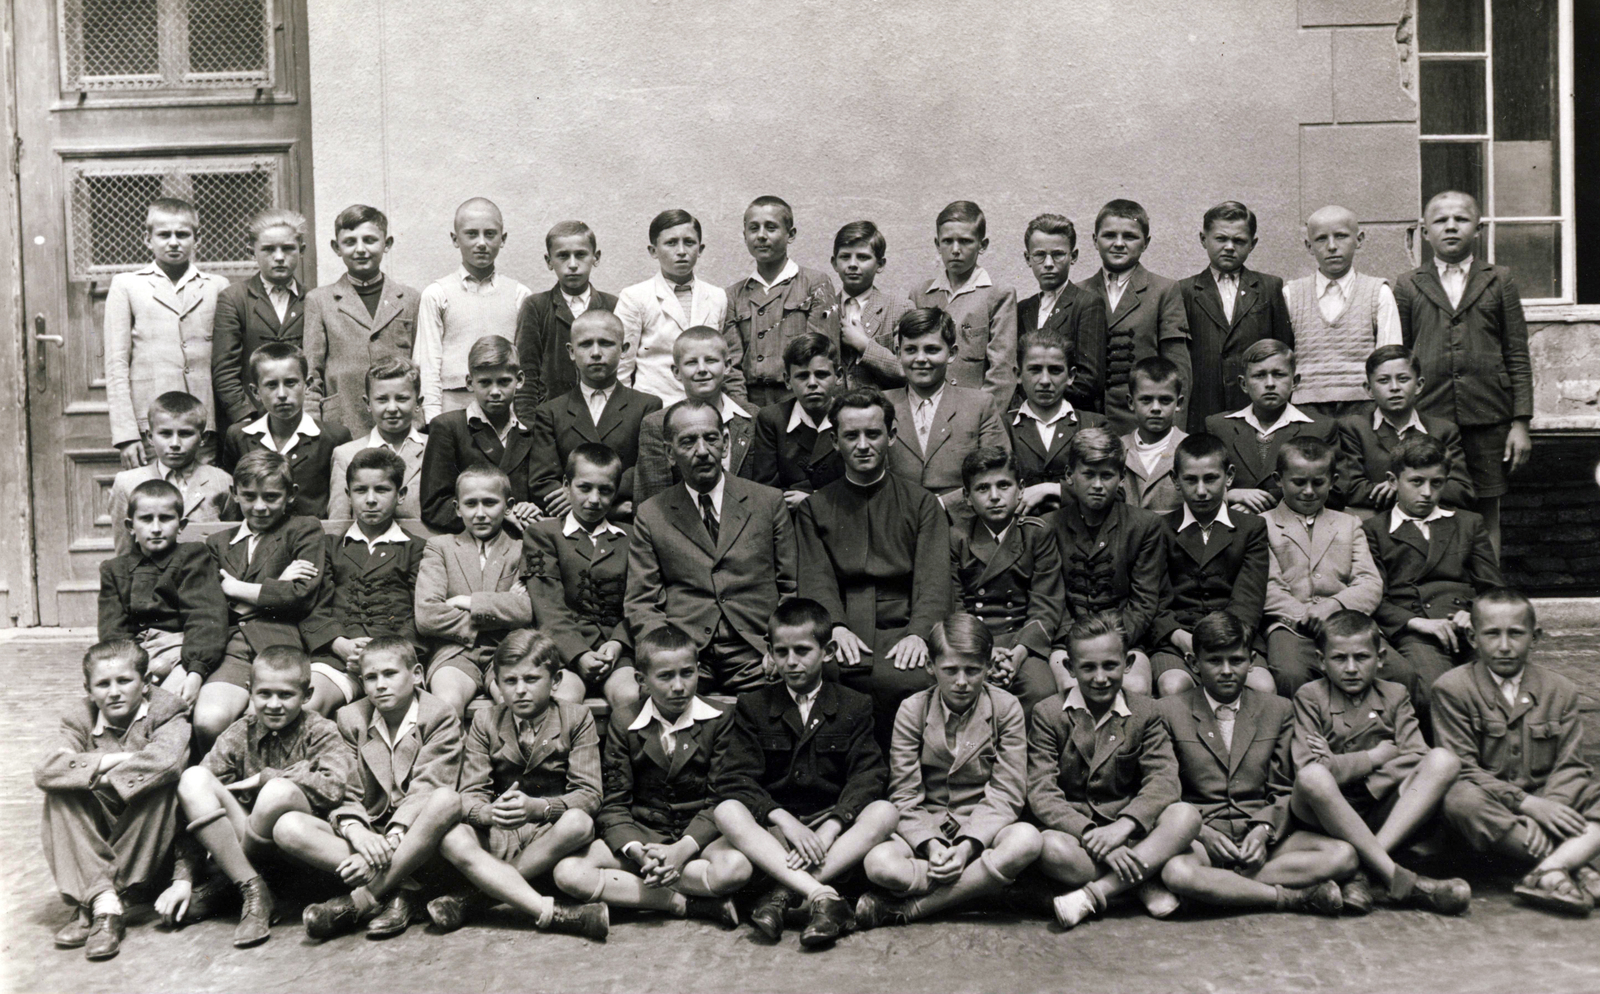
1219,795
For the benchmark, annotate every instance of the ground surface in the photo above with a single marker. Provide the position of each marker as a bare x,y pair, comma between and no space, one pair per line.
1498,947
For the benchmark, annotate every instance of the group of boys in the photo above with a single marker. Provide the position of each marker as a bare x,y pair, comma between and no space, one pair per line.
930,586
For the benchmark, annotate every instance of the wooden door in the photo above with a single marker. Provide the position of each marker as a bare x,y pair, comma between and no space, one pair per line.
120,102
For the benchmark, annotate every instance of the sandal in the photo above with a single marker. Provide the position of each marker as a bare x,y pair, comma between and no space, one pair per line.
1554,890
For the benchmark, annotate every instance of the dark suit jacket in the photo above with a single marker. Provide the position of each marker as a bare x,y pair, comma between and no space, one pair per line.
246,321
1017,590
802,459
654,472
544,327
648,791
563,423
1149,320
366,594
1253,471
454,444
1117,568
1366,459
1228,574
1080,316
284,605
576,586
1474,357
310,464
1081,777
343,341
1037,464
179,592
1216,345
677,576
1432,579
828,767
1249,784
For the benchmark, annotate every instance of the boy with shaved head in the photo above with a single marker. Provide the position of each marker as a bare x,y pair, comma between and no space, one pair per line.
458,309
1339,316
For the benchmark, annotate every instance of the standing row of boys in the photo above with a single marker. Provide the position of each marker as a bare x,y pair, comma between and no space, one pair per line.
1128,582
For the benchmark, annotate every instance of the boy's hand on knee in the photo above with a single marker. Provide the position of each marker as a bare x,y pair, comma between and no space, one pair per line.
1219,847
1253,852
173,903
1100,842
1556,818
909,653
1127,866
248,783
1534,838
802,840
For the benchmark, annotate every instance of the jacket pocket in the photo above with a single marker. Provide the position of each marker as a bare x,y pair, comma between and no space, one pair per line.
1544,741
832,743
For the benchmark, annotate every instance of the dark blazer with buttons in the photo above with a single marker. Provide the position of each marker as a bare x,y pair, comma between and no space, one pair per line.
648,793
1081,777
1217,345
827,767
803,459
159,743
1117,568
1226,574
343,341
310,464
284,605
1017,591
367,593
454,444
245,321
1149,320
1252,471
178,592
577,587
1248,784
1080,316
544,328
1367,453
1036,462
563,423
1433,578
1475,364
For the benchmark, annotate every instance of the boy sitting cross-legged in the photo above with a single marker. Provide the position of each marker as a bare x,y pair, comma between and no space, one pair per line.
530,786
659,847
282,757
399,799
1364,773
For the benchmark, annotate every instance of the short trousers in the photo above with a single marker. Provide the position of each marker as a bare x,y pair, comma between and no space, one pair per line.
463,659
335,673
1372,810
234,669
1485,446
506,844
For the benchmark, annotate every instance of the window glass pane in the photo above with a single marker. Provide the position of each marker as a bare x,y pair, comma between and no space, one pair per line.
1452,98
1533,254
119,37
1526,182
227,36
1450,25
1525,70
1452,166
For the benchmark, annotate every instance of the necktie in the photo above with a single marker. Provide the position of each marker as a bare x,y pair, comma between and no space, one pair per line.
527,737
1332,303
924,421
685,294
1228,290
1225,716
708,514
1455,281
852,313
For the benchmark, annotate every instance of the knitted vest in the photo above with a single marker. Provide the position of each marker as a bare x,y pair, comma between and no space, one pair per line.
1331,357
468,316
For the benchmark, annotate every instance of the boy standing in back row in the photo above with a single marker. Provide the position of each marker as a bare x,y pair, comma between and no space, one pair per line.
984,315
544,326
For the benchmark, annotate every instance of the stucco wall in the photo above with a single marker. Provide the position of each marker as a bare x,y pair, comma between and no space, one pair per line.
611,110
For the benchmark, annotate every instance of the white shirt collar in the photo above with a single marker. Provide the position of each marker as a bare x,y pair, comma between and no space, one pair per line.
715,493
806,698
467,279
1290,415
667,290
243,533
570,526
375,440
1221,518
978,278
307,427
1047,300
789,271
475,413
1505,683
1414,422
1218,276
799,417
100,724
917,400
588,393
1116,279
1213,703
406,724
1440,265
1075,701
1344,282
1400,517
192,273
698,710
999,539
392,535
582,298
1065,411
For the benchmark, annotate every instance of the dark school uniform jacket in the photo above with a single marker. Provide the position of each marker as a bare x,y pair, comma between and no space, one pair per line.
284,605
1149,320
246,320
1080,316
563,423
577,586
1335,730
1433,577
310,463
1217,345
1229,573
1254,469
367,593
544,327
1036,462
1117,567
455,443
1015,588
802,459
1367,453
648,791
177,592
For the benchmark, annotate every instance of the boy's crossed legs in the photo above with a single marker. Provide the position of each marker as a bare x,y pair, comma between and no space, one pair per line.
1297,874
1067,860
895,866
700,889
1561,842
502,866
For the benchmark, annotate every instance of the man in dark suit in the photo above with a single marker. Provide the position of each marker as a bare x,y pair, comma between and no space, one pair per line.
793,447
1228,307
713,555
545,322
247,318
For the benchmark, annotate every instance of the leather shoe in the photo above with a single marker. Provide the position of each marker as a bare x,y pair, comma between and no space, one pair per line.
449,912
1323,899
255,917
713,909
874,911
105,937
1446,897
75,932
592,921
830,918
767,916
207,900
393,918
331,918
1356,893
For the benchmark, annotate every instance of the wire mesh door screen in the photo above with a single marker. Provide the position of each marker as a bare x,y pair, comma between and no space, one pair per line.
166,44
106,210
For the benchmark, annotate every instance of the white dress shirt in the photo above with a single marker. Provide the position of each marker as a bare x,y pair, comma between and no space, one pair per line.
263,430
1453,277
1228,290
1288,416
804,701
1047,427
1400,517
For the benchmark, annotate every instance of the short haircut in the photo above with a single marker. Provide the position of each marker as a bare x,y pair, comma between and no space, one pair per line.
172,207
178,405
1347,624
1418,452
1130,210
1311,450
356,215
1505,595
767,200
1265,349
276,217
803,612
921,321
569,229
686,404
658,641
277,352
986,459
159,490
809,345
395,367
962,634
378,458
285,659
391,645
964,212
528,645
1156,369
1094,626
484,472
1047,338
1201,445
1469,198
1094,445
492,352
1051,224
671,219
596,454
861,398
862,232
1389,353
111,649
259,467
1219,631
696,334
1229,211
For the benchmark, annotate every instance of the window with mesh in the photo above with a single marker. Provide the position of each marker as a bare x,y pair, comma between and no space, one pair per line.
166,44
107,203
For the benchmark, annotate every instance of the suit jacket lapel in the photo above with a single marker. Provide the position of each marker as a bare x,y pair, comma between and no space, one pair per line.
650,740
1249,297
376,755
350,304
734,515
260,303
609,544
548,738
1245,448
942,415
266,546
1478,280
1244,729
686,518
1132,296
578,411
1411,536
1210,299
518,442
486,441
1426,277
1005,555
1441,536
905,426
688,743
1206,721
1060,312
611,414
164,292
390,304
509,750
872,312
1322,536
1105,747
977,730
558,304
740,431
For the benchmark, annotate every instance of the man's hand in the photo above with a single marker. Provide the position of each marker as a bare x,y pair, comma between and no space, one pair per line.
1559,820
909,653
248,783
556,503
1252,500
803,842
1442,630
1518,445
1219,847
1382,494
851,648
525,513
1099,842
1253,851
132,455
173,903
794,498
1038,494
300,569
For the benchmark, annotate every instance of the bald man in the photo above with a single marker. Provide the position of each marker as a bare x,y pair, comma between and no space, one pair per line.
1339,317
459,309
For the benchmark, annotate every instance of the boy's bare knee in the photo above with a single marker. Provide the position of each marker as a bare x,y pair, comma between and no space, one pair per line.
1345,859
1442,761
575,824
1179,874
1260,680
1315,780
881,815
292,831
1182,816
1017,848
575,876
730,870
731,812
887,868
277,796
196,782
1173,682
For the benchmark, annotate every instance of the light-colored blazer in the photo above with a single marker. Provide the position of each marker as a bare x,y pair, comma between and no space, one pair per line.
450,569
965,419
342,341
411,450
879,365
157,338
1332,560
652,319
205,497
390,789
1155,490
977,789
